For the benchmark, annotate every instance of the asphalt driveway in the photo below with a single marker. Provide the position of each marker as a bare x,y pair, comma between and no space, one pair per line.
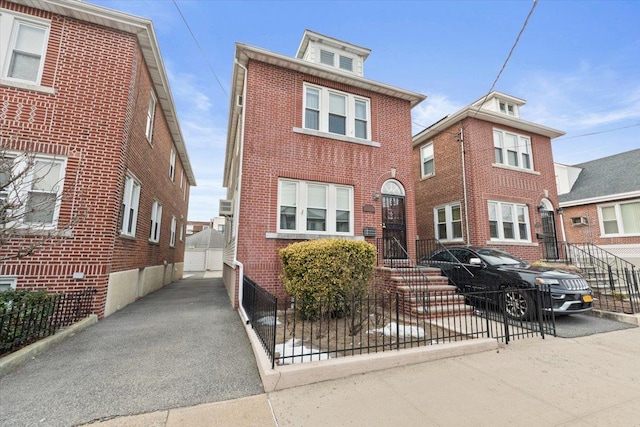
179,346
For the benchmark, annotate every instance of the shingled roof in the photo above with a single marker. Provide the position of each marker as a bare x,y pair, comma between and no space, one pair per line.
609,176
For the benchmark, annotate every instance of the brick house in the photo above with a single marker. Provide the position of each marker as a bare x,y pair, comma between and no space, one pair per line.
314,149
600,200
485,177
83,89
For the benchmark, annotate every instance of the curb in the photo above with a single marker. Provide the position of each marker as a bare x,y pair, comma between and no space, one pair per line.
14,360
284,377
633,319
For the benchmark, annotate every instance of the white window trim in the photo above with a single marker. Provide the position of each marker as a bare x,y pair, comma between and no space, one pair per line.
151,113
516,224
9,24
301,209
324,113
172,239
156,222
449,222
618,212
172,164
519,145
181,230
423,157
21,190
12,281
131,202
336,59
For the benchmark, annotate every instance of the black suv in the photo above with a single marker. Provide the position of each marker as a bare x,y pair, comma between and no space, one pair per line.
479,269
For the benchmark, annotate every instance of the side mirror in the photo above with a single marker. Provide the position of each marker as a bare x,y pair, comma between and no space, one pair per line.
475,261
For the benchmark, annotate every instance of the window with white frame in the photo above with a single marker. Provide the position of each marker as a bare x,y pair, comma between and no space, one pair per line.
340,113
156,219
426,160
7,283
512,149
31,189
620,219
334,59
508,108
181,231
130,201
448,222
172,239
151,112
314,207
172,164
23,44
509,221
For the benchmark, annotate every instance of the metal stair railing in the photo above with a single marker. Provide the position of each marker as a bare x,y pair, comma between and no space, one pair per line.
427,247
621,276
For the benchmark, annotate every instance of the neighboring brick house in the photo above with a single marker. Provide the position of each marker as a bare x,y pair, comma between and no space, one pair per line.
314,149
83,88
600,200
485,177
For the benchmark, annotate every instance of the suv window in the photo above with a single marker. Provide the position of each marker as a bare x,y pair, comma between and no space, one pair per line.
463,255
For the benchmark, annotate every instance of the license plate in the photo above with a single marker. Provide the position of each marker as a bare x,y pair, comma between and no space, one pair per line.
587,298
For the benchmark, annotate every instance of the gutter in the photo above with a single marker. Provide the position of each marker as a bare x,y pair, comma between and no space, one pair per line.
236,211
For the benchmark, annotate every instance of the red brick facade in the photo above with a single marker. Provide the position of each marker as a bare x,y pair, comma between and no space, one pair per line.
273,150
95,117
484,182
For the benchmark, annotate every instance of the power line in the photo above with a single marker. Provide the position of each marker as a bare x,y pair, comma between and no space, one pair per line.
596,133
504,65
200,48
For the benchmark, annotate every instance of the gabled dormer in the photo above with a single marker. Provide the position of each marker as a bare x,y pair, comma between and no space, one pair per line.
501,103
330,52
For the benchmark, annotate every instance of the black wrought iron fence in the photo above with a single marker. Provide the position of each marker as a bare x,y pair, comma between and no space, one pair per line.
22,322
391,321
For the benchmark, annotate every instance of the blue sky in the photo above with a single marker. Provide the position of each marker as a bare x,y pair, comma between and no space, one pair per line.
577,64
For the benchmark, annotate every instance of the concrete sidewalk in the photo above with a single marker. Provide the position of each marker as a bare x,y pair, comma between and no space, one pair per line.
587,381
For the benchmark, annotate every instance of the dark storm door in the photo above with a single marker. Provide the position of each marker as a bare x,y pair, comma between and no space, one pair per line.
550,237
394,227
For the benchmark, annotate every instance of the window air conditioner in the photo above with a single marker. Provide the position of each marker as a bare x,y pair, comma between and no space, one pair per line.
226,208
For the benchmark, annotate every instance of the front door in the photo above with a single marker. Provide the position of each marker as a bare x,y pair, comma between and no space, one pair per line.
550,238
394,226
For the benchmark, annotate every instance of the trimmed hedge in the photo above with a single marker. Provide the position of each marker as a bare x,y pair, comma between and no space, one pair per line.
325,275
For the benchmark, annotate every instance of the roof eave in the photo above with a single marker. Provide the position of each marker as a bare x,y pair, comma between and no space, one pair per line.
489,116
599,199
143,29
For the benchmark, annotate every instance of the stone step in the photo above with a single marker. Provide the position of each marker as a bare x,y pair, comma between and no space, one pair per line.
443,299
419,279
435,311
419,289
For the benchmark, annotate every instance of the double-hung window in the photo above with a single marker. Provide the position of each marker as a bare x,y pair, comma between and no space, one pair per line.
509,221
314,208
151,112
130,201
512,149
334,112
448,222
174,224
172,164
620,219
156,219
31,189
426,160
23,44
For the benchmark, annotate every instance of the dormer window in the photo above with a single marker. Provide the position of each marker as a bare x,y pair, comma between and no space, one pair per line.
333,59
507,108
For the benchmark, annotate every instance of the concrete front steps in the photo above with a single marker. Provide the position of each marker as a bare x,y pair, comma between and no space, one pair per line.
424,292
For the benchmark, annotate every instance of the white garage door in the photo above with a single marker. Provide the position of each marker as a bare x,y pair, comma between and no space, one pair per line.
194,259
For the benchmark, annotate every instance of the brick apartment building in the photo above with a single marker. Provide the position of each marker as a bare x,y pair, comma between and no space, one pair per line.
83,89
485,177
335,161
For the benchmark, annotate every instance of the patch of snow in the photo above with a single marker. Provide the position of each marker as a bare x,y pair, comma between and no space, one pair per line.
403,331
296,352
268,320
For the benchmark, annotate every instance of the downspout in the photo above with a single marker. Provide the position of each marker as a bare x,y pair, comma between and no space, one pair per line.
464,187
236,211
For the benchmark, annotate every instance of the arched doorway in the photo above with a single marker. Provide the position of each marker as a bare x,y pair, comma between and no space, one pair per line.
550,239
394,223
